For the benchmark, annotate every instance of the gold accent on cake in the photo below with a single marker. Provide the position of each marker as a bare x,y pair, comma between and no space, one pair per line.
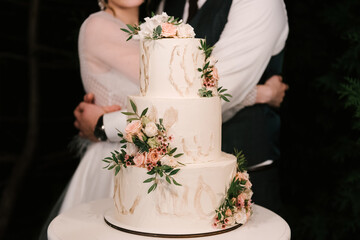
170,117
145,59
118,200
171,79
199,152
169,202
203,187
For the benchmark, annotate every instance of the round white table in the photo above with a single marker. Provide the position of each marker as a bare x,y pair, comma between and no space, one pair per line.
86,221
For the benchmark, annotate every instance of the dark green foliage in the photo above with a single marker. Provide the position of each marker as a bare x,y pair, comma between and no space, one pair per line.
321,121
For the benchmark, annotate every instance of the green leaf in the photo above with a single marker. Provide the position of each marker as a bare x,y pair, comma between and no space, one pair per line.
152,188
133,106
174,172
178,155
130,27
224,98
117,169
128,113
125,30
149,180
176,183
158,30
167,168
130,37
168,179
172,151
144,112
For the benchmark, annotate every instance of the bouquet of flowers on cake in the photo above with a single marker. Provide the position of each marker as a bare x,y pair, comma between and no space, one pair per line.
146,145
236,208
210,76
160,26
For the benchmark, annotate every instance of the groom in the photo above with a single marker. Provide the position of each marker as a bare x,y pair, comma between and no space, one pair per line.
254,61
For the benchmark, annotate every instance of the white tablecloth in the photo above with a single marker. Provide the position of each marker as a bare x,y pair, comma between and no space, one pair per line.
86,221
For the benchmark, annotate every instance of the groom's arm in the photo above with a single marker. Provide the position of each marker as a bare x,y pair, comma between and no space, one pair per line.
107,120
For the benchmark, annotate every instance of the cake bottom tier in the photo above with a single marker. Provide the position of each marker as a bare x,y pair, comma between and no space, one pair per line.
171,209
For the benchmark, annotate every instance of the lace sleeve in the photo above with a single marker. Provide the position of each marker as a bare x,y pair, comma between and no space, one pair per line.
103,46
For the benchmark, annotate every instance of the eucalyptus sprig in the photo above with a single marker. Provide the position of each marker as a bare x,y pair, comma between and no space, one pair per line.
131,31
134,113
163,171
156,33
223,95
241,160
203,92
206,48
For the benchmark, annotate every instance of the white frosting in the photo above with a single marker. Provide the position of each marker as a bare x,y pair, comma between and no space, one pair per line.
195,124
172,209
169,67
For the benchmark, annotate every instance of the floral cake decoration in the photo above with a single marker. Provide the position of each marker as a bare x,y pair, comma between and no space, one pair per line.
164,26
160,26
146,145
236,208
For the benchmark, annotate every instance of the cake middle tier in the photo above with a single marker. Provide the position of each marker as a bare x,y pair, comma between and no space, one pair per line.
193,123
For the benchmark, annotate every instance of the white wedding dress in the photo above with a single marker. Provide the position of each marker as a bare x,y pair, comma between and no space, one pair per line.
109,69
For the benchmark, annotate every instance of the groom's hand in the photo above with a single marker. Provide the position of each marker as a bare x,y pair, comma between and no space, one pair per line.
272,92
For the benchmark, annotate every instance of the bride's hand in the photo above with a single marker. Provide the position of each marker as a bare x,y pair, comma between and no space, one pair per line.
272,92
90,98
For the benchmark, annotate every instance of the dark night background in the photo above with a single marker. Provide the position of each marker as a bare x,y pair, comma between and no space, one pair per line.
40,87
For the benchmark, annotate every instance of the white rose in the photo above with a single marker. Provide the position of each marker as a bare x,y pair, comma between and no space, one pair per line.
230,220
151,129
168,160
240,217
185,31
131,149
161,18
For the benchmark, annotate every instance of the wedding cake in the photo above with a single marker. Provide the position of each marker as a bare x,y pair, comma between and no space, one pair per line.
171,176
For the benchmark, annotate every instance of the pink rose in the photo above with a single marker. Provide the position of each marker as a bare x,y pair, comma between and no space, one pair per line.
139,159
133,128
168,30
153,157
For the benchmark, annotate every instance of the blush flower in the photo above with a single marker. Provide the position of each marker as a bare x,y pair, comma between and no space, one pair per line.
134,127
168,30
154,157
139,159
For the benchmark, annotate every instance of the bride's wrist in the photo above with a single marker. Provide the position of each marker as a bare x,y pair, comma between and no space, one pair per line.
263,94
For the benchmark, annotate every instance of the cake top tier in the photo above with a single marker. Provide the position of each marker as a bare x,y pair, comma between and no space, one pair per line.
173,63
